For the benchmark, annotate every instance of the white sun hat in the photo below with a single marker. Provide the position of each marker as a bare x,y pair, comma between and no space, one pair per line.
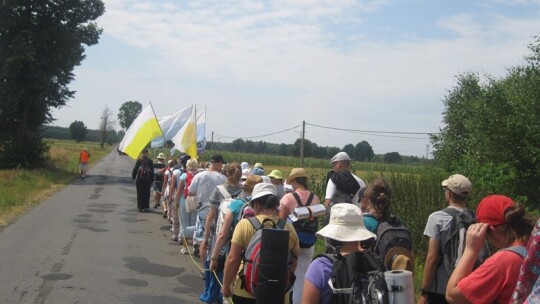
346,225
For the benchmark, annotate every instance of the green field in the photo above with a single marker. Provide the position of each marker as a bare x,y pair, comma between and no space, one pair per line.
21,189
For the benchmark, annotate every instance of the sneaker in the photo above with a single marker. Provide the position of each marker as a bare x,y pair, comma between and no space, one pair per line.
165,214
184,250
174,238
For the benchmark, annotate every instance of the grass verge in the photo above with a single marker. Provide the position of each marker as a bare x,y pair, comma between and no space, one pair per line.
22,189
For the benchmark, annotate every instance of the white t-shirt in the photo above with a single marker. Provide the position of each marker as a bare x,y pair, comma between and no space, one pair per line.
168,173
331,189
204,183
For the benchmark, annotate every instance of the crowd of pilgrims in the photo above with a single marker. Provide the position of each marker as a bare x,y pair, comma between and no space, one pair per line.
191,193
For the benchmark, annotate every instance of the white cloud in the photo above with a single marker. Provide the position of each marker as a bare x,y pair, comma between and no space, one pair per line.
280,59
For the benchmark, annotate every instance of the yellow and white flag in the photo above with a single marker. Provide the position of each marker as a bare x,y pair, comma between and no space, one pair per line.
143,129
186,139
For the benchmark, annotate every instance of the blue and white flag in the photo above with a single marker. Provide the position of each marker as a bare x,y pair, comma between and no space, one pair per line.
171,125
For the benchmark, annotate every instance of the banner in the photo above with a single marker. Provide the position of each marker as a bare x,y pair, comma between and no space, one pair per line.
171,125
186,139
142,130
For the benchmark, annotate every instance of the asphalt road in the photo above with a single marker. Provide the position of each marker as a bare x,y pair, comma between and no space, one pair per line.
89,244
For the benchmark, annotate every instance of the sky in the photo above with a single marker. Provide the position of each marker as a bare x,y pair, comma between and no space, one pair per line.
262,68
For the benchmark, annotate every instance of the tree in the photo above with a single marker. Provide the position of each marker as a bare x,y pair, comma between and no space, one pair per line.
78,130
106,125
492,131
349,149
363,151
392,158
40,44
128,112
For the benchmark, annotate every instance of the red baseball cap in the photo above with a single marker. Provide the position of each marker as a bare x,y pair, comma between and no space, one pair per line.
492,208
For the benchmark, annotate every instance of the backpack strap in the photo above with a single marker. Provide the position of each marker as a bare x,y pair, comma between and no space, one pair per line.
258,225
299,201
224,191
519,249
452,211
255,223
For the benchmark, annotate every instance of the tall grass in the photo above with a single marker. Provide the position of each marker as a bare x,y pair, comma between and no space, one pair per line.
21,189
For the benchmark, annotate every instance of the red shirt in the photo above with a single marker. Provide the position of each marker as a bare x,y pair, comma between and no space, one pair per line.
494,281
85,156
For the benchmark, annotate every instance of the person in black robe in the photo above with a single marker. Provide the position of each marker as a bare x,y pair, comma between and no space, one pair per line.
143,180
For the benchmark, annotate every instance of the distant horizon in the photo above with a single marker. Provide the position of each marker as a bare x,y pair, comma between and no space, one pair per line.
208,141
263,66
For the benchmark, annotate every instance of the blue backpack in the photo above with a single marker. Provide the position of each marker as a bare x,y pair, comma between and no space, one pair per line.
306,228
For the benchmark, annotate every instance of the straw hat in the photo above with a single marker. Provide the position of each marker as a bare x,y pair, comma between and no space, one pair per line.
346,225
295,173
399,258
161,155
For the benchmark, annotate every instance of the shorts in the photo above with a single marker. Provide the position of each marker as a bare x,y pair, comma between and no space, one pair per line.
157,186
83,166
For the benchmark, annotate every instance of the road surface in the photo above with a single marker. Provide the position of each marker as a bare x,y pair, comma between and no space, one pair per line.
89,244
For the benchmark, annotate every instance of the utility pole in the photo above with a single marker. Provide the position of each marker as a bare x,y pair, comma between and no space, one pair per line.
302,144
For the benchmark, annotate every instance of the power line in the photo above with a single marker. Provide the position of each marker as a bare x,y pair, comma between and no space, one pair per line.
370,131
264,135
376,133
364,132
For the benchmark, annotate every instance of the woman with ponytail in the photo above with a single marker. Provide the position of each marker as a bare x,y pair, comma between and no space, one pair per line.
507,227
377,198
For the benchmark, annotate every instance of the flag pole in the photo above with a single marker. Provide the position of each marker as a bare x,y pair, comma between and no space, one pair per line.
162,134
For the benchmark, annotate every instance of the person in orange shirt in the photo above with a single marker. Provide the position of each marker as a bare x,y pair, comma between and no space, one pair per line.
83,162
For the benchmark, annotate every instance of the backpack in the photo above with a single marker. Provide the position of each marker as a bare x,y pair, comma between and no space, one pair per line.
249,275
346,188
392,237
453,239
357,278
305,229
144,171
222,210
189,178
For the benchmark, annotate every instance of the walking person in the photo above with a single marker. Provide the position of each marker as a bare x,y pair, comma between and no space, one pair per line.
345,231
236,211
507,227
342,185
305,229
265,204
159,165
435,279
230,189
528,284
165,187
143,174
201,187
187,219
276,178
84,157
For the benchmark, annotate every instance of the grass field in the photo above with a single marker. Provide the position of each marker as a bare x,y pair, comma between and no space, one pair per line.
22,189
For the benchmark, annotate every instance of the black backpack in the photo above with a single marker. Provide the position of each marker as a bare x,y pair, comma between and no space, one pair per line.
391,234
357,278
346,188
453,239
